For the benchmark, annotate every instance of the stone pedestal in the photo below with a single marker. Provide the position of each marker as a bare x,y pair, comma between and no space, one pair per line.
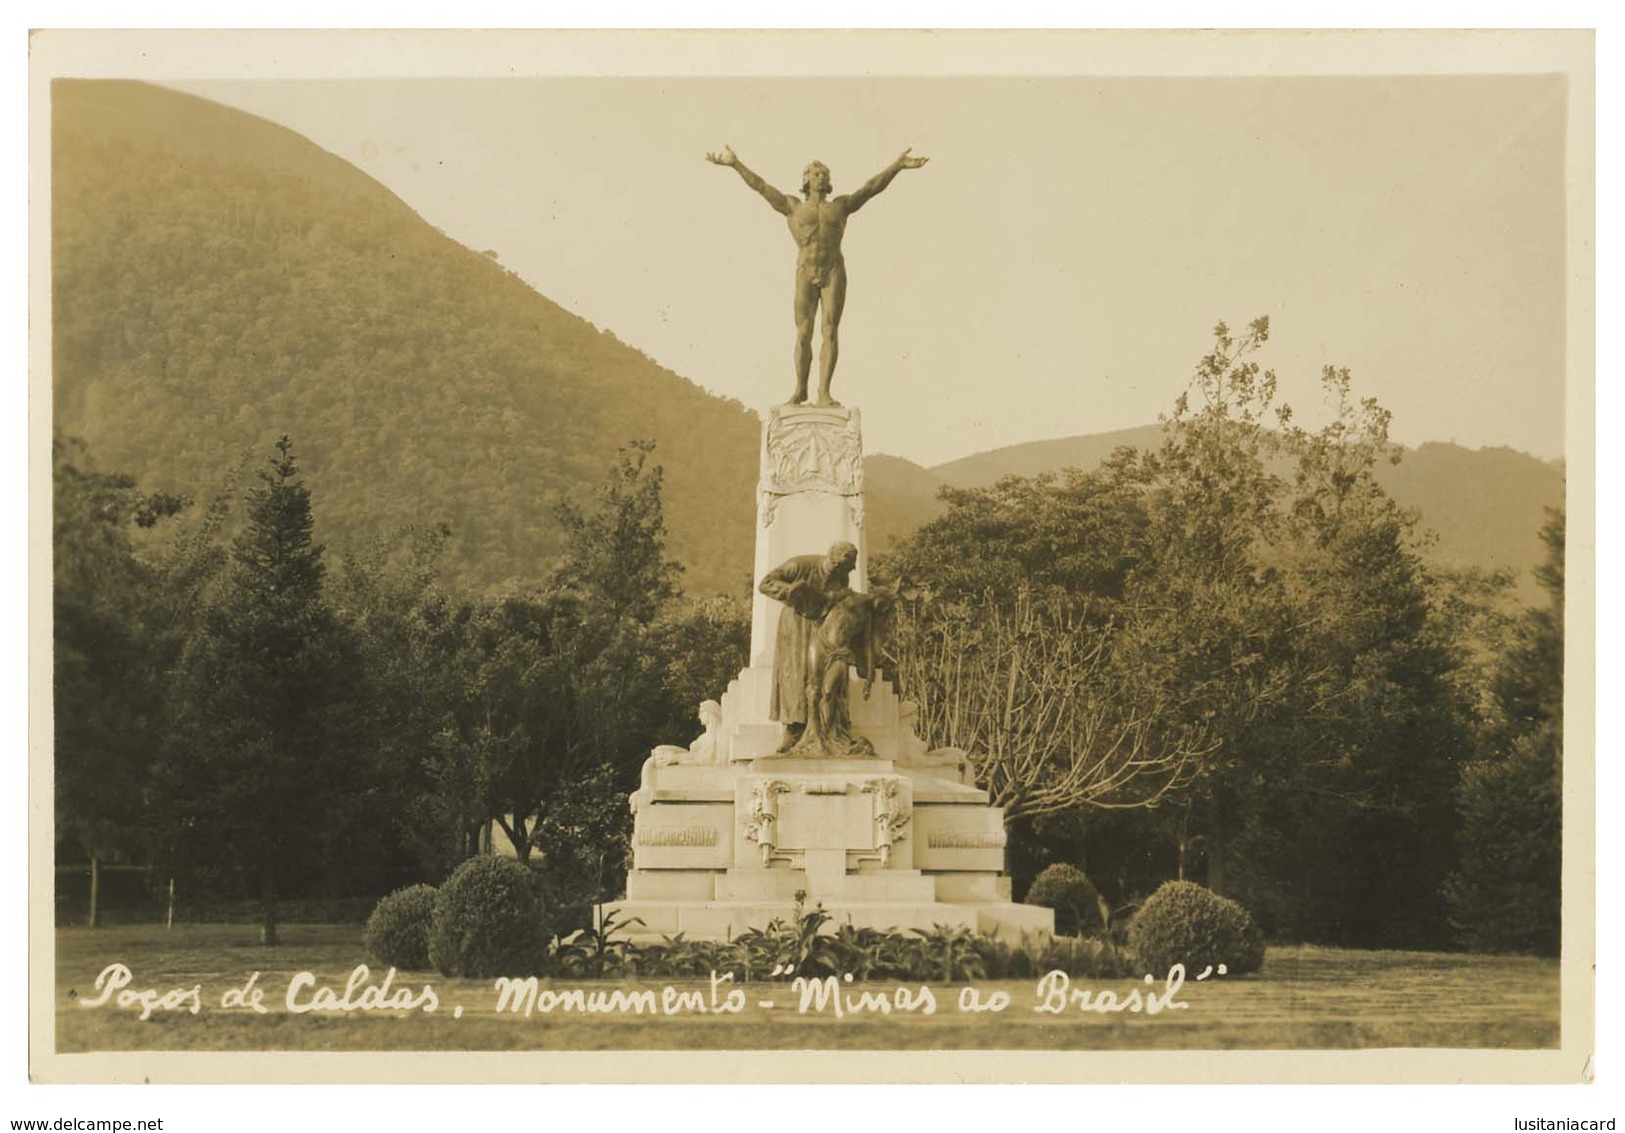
809,495
732,838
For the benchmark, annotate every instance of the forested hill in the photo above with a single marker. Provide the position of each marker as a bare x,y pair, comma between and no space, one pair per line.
220,280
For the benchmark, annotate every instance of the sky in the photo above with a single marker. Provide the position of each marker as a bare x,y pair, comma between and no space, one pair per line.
1056,268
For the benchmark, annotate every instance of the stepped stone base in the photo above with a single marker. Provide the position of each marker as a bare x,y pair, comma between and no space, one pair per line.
724,920
724,847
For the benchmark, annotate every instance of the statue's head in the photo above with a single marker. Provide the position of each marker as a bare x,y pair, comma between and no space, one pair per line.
815,175
842,558
710,714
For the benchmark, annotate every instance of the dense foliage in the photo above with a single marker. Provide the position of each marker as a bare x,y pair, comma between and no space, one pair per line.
1077,903
247,721
1227,654
1183,923
1479,505
397,932
1506,893
113,642
489,919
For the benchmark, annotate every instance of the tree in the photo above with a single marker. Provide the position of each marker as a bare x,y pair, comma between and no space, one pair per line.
1056,709
1234,634
1118,631
1301,587
699,645
505,747
1014,635
560,686
262,773
1069,533
615,551
1214,499
389,593
1506,892
109,646
1529,688
585,844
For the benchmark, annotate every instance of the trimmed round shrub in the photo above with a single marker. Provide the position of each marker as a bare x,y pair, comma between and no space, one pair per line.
1183,923
1068,890
489,920
397,933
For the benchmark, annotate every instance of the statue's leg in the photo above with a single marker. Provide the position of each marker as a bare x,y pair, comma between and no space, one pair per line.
815,711
813,735
806,309
837,718
833,300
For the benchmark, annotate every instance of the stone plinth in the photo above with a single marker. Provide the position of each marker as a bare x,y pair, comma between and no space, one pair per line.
721,849
731,836
809,495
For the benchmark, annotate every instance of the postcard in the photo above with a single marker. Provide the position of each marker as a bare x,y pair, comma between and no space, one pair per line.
812,556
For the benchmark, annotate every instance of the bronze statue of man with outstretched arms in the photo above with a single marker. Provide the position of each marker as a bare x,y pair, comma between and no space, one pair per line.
817,224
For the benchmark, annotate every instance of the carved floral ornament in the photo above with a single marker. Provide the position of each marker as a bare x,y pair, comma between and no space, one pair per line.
768,507
761,823
891,815
812,452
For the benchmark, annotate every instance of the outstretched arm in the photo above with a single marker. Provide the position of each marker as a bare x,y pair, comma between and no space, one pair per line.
879,181
772,196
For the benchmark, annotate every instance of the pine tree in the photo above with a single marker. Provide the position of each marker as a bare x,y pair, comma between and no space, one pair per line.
264,764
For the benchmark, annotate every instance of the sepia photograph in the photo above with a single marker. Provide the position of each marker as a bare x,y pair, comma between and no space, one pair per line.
956,556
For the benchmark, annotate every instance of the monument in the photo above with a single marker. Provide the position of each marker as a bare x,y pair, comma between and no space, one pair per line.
809,785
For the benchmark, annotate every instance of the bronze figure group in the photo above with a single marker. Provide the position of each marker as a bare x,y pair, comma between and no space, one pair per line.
825,629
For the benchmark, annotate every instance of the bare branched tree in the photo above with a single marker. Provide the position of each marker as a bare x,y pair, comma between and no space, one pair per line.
1051,717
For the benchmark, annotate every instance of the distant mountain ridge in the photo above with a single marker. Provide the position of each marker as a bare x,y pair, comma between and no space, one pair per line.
1484,507
1034,457
219,280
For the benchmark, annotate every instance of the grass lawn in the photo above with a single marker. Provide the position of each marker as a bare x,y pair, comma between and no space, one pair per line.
1305,998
